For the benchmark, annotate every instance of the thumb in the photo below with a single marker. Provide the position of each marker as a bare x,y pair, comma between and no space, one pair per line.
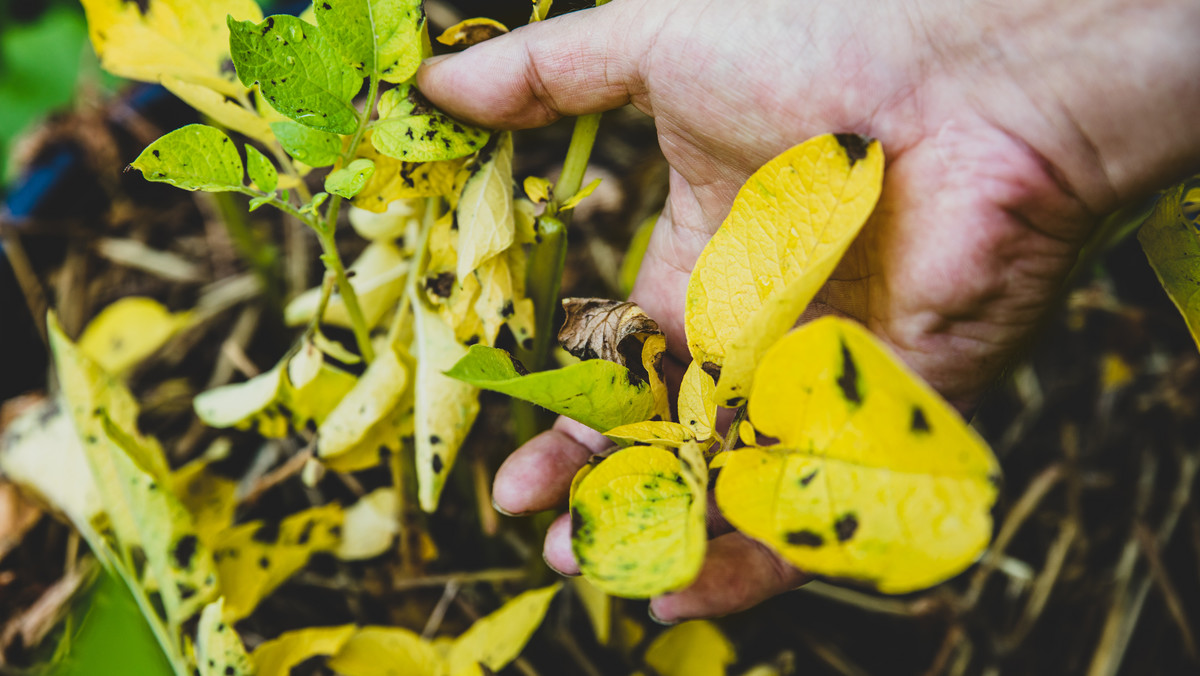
578,63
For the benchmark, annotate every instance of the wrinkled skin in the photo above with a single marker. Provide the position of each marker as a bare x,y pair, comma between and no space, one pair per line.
1008,132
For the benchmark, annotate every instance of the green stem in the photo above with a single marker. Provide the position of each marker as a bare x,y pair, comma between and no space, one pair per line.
542,285
731,435
358,323
417,268
583,138
363,121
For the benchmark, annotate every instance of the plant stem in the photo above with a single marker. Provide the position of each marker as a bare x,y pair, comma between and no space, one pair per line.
731,435
578,154
358,323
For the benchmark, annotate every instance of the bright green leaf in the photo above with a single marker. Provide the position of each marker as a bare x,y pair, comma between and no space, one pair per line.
195,157
298,71
383,37
313,147
1171,239
598,393
412,130
349,180
261,170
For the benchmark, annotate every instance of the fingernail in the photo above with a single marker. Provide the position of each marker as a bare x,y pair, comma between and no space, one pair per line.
659,620
551,567
505,512
434,60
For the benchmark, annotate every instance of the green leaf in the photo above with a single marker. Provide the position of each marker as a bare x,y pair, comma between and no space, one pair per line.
195,157
411,129
261,170
108,628
600,394
381,37
311,146
349,180
1171,239
298,71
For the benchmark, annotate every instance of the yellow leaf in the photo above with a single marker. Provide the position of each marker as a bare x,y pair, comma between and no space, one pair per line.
249,404
497,639
370,525
128,331
581,195
538,189
1171,239
697,401
598,607
746,433
446,408
652,355
875,477
219,649
365,420
387,651
399,218
398,180
695,648
471,32
313,387
653,433
788,228
183,39
45,437
637,520
209,497
1115,372
278,656
484,215
222,110
378,279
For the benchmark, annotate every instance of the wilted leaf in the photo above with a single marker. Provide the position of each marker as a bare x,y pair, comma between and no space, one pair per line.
499,302
537,189
598,328
471,32
411,129
637,520
695,648
44,437
195,157
313,147
600,394
370,525
1171,239
485,208
298,71
788,228
170,38
578,197
365,421
395,221
875,477
652,432
446,408
208,496
128,331
377,276
497,639
382,37
219,649
278,656
383,651
350,179
261,170
254,558
395,179
221,109
697,401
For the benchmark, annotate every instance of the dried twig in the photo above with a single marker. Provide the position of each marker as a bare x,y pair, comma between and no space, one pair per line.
439,611
1158,571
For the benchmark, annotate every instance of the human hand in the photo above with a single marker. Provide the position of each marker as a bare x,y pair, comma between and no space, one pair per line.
1008,132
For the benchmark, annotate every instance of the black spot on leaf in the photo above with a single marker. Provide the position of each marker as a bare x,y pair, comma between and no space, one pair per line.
508,310
919,422
435,439
713,370
264,563
845,527
184,550
807,478
268,533
437,464
804,538
440,285
848,381
855,146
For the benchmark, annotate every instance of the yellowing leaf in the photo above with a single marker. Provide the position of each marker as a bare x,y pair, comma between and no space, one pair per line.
875,477
378,279
746,433
537,189
652,432
653,350
209,497
278,656
252,403
446,407
697,401
219,649
637,520
497,639
597,393
45,437
365,420
183,39
128,331
598,607
485,208
370,525
695,648
471,32
349,180
395,179
222,110
255,558
390,223
1171,239
411,129
498,301
384,651
789,226
598,328
581,195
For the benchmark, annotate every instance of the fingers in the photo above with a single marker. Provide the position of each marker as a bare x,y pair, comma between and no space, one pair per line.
738,573
538,475
583,62
557,550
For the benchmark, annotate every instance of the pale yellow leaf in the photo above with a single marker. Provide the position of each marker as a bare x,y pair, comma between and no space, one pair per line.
277,657
695,648
387,651
537,189
652,433
365,420
497,639
219,649
370,525
220,109
598,607
128,331
697,401
581,195
485,208
378,278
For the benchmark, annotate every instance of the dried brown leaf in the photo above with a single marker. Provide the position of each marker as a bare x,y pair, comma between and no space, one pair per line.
606,329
